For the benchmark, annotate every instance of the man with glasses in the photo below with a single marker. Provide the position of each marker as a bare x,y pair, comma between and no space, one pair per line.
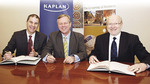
120,46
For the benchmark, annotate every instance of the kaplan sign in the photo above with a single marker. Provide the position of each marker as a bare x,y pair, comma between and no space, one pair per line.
56,7
50,10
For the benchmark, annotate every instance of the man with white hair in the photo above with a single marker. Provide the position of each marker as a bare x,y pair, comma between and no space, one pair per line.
117,45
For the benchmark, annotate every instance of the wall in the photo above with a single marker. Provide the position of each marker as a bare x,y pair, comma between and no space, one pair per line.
135,14
13,15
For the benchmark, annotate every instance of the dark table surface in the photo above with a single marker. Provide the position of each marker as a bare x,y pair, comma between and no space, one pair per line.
59,73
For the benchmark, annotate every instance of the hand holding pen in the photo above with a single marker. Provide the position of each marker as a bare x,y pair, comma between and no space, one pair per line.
7,55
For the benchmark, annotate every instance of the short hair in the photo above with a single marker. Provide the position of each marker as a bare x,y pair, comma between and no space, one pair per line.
33,15
63,15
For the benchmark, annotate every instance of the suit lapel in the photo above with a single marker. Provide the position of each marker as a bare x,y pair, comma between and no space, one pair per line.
36,41
106,44
59,42
122,42
24,40
71,42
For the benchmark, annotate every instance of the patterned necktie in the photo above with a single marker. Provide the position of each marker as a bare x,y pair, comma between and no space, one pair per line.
29,45
65,48
114,50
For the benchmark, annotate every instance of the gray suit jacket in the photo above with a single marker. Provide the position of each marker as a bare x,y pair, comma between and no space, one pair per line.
55,47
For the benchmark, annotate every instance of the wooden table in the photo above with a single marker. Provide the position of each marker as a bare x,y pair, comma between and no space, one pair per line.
59,73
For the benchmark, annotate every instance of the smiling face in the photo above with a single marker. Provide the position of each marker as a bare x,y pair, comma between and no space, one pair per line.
32,24
114,25
64,24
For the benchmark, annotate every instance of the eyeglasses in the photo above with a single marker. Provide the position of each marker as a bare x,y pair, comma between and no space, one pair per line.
114,23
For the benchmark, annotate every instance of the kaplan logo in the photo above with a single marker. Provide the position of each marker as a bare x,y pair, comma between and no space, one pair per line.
56,7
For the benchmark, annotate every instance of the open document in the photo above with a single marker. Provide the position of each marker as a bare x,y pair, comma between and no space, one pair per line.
22,60
110,66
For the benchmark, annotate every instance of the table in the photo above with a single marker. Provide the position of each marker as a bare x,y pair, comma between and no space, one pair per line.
59,73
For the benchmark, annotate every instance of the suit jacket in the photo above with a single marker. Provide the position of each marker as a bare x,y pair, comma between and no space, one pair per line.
55,45
19,42
129,46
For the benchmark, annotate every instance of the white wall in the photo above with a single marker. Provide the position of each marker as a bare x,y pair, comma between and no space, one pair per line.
13,15
135,14
136,18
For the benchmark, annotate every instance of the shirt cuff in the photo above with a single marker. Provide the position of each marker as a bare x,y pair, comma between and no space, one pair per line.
3,58
148,66
44,59
77,59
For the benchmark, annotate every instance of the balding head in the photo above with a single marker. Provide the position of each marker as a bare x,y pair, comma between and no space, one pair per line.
115,17
114,24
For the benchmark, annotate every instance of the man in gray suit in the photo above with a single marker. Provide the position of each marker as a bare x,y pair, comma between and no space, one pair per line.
55,48
20,40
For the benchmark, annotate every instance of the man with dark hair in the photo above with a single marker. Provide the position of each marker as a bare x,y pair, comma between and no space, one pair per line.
26,42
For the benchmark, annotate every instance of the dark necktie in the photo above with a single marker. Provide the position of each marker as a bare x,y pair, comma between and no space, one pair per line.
114,50
29,45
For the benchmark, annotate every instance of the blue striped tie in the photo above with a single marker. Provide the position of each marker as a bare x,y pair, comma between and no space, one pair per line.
114,50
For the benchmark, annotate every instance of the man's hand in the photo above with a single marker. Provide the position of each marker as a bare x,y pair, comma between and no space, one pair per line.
50,59
69,59
33,53
8,55
93,60
138,67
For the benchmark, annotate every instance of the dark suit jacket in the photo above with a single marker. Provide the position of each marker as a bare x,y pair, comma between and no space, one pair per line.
19,42
55,47
128,48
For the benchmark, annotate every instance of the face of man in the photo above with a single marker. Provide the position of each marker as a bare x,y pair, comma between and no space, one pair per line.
114,25
64,25
32,25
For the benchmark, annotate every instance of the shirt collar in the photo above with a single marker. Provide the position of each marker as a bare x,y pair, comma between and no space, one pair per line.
67,37
117,36
33,35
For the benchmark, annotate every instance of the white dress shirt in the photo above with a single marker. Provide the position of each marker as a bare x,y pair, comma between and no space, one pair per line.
110,43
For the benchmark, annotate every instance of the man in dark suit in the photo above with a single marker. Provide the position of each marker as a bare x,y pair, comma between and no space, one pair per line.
127,46
20,39
64,43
